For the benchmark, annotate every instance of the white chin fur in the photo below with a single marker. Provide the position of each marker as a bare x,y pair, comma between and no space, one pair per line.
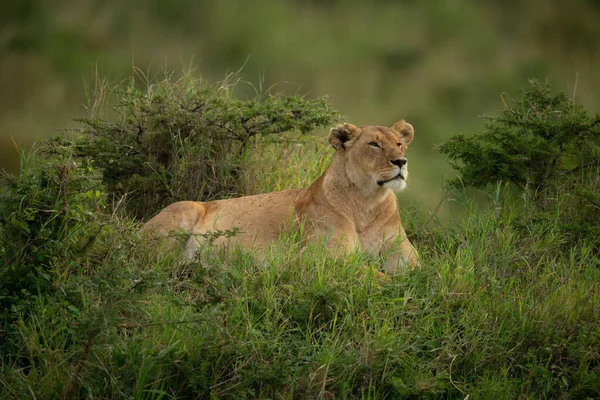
396,185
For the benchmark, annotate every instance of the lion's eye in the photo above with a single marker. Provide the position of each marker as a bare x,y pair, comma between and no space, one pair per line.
374,144
399,144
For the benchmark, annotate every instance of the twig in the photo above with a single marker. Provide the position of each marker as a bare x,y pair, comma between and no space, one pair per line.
75,377
450,375
590,164
189,321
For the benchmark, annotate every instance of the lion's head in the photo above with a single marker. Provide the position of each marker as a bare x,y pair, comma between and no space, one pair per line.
374,156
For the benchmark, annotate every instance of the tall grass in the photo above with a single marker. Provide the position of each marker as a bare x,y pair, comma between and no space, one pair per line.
494,313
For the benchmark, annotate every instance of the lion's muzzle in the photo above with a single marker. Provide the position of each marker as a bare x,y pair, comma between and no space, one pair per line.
400,177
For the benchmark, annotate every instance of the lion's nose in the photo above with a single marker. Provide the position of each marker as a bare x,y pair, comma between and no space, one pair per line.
400,162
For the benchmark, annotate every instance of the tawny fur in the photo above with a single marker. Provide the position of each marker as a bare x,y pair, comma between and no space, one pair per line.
352,204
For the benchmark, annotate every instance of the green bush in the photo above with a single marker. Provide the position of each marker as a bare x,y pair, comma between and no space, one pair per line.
50,213
182,139
547,147
536,141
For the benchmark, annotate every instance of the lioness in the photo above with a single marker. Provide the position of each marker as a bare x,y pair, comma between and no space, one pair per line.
352,205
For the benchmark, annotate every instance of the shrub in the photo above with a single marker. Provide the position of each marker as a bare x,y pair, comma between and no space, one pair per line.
181,139
50,213
536,141
548,147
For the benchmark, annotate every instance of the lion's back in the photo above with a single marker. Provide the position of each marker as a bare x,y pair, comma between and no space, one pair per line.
259,217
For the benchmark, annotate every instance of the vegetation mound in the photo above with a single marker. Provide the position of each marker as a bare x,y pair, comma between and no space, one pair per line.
506,305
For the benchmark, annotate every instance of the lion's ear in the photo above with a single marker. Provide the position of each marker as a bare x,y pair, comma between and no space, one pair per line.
407,133
341,134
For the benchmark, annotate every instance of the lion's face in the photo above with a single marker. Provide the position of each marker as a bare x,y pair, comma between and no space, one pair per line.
374,155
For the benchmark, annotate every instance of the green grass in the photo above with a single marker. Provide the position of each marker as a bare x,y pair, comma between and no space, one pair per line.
506,305
500,309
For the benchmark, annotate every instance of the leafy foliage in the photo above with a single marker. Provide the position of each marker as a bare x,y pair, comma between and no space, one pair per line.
182,139
50,213
536,141
548,147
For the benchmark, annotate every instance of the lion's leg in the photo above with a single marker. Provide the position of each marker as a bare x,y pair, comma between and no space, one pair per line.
339,242
402,255
191,246
181,216
176,221
404,259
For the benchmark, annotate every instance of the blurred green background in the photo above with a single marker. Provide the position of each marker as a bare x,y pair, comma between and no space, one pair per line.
438,64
